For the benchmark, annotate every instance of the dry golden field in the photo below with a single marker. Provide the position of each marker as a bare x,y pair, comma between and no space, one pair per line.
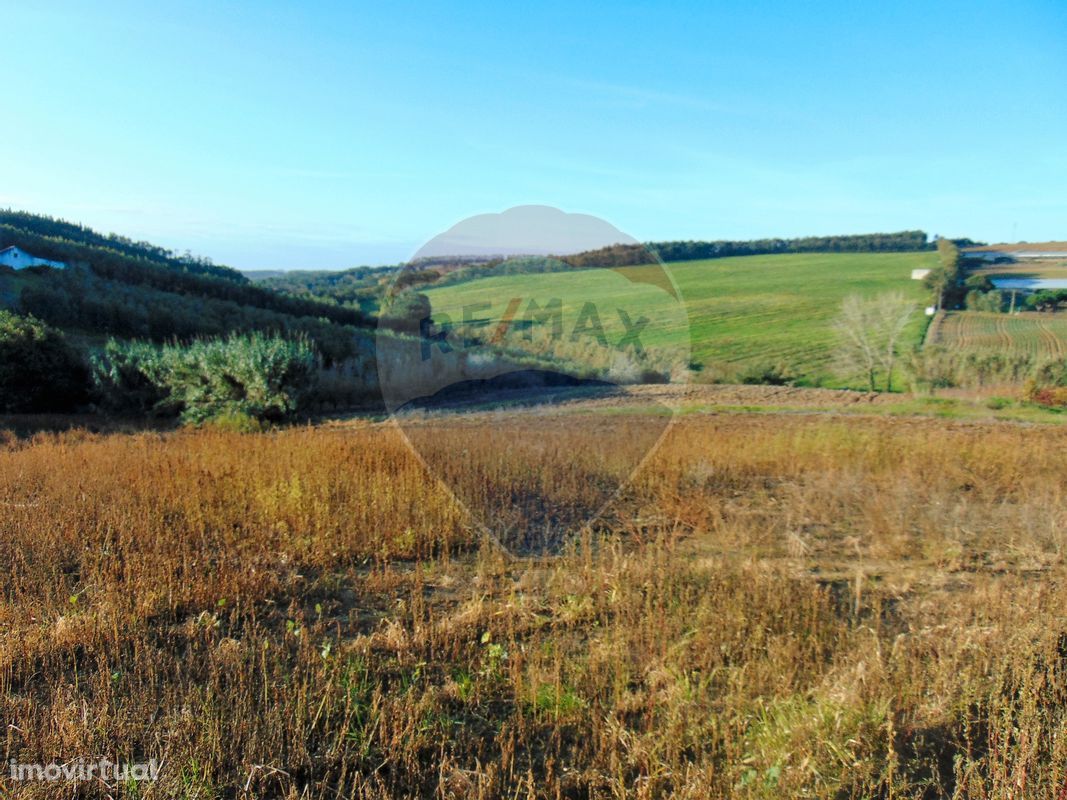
778,606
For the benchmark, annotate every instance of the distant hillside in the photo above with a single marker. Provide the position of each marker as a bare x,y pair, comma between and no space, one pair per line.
360,287
262,274
364,285
745,313
114,286
57,235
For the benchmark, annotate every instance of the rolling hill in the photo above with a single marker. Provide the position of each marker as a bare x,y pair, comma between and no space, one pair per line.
742,310
114,286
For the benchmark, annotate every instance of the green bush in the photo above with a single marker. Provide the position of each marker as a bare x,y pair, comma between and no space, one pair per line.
265,378
985,301
131,378
768,373
1047,299
39,370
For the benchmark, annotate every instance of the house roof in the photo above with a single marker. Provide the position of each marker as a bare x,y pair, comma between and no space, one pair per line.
9,247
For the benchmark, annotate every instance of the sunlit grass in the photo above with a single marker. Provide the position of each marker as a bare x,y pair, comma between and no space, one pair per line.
776,606
740,310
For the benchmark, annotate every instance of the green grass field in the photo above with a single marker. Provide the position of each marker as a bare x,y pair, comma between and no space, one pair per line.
1042,335
741,310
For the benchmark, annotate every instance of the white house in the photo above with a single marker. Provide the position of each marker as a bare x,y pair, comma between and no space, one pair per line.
17,258
919,274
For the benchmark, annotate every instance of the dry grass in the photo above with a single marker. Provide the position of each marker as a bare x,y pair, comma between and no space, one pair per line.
779,606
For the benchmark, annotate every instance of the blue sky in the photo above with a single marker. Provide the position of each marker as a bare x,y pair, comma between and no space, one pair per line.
324,135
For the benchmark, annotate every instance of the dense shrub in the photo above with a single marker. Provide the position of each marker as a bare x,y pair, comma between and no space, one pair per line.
130,378
407,312
1050,396
39,370
769,373
1047,299
1048,387
260,377
932,368
940,367
985,301
264,377
1052,373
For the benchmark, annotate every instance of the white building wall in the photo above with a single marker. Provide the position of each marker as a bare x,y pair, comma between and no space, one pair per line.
17,258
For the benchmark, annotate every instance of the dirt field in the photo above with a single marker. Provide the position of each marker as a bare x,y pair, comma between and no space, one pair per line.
670,397
729,395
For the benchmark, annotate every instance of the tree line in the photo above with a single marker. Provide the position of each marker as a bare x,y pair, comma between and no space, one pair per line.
78,299
620,255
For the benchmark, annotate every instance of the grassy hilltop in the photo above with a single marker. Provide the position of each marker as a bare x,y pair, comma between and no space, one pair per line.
741,310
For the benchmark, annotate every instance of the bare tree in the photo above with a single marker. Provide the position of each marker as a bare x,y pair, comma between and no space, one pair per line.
869,332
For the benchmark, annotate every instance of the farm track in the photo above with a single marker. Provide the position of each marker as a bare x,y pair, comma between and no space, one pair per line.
933,333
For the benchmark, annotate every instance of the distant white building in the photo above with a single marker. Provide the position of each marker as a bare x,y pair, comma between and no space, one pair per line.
919,274
986,256
17,258
1005,254
1022,255
1030,284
